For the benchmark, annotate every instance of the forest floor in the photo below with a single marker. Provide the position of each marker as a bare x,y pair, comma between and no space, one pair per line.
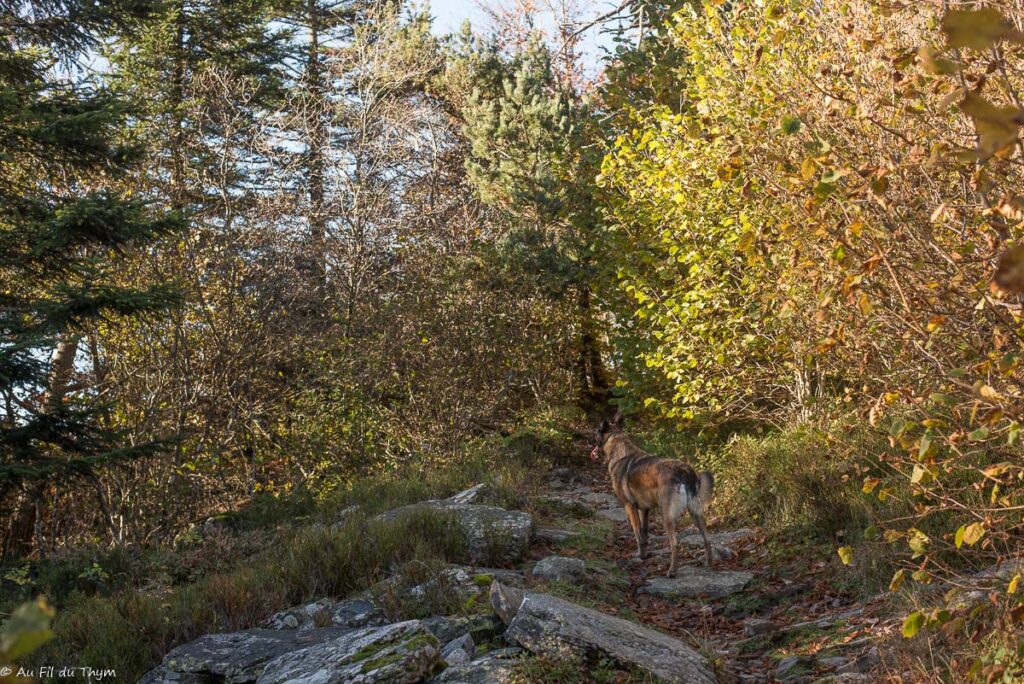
796,619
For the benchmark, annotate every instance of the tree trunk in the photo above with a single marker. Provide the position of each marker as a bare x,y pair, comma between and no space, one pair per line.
316,152
22,529
590,365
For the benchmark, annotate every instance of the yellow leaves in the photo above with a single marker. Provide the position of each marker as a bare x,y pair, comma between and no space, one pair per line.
845,554
913,624
997,127
921,475
808,169
864,304
935,64
897,580
1011,588
969,534
978,29
918,541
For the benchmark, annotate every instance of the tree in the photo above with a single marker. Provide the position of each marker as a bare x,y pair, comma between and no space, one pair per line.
533,158
63,229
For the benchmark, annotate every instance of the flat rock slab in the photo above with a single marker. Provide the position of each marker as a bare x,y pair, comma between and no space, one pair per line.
400,653
697,582
161,675
491,534
613,514
601,500
559,568
497,667
553,627
238,657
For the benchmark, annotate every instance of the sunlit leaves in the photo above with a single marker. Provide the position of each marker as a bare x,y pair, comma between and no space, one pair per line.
978,29
913,623
25,630
969,534
997,126
845,554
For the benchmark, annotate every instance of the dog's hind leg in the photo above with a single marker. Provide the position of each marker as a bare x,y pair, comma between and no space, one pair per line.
645,518
669,521
634,522
698,520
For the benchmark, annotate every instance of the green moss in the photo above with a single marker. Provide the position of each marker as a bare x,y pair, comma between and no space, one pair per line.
377,663
483,580
369,651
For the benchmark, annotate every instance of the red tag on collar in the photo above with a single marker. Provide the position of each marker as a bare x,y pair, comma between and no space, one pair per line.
595,454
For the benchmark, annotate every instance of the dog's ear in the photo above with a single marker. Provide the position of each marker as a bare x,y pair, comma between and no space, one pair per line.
604,426
618,418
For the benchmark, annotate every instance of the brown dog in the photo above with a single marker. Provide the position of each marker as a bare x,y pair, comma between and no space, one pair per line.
642,482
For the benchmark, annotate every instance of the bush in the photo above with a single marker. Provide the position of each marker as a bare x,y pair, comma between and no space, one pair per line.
799,477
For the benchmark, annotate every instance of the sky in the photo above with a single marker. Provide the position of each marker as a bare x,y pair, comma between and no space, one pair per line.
449,15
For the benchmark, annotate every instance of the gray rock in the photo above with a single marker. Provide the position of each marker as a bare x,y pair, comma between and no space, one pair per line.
351,613
241,656
480,627
600,499
556,628
506,601
834,662
490,534
472,495
794,666
161,675
496,667
614,514
401,653
757,626
550,535
343,516
694,582
845,678
566,503
559,568
459,651
863,664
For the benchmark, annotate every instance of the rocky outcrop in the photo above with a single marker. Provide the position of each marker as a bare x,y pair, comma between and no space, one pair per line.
559,568
400,653
506,600
698,582
352,614
553,627
238,657
491,535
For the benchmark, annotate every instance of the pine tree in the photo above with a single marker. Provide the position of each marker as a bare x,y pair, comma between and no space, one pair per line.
62,229
529,131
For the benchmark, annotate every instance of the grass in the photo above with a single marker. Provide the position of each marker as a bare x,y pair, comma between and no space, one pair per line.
270,559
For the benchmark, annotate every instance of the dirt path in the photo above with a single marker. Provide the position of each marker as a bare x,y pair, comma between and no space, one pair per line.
760,615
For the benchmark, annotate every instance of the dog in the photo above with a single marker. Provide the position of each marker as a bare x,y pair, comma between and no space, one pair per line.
642,482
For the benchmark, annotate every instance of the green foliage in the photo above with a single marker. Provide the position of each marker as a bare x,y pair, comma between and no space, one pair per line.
63,230
23,632
795,478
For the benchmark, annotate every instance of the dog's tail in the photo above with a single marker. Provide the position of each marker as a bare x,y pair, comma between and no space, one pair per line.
705,488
